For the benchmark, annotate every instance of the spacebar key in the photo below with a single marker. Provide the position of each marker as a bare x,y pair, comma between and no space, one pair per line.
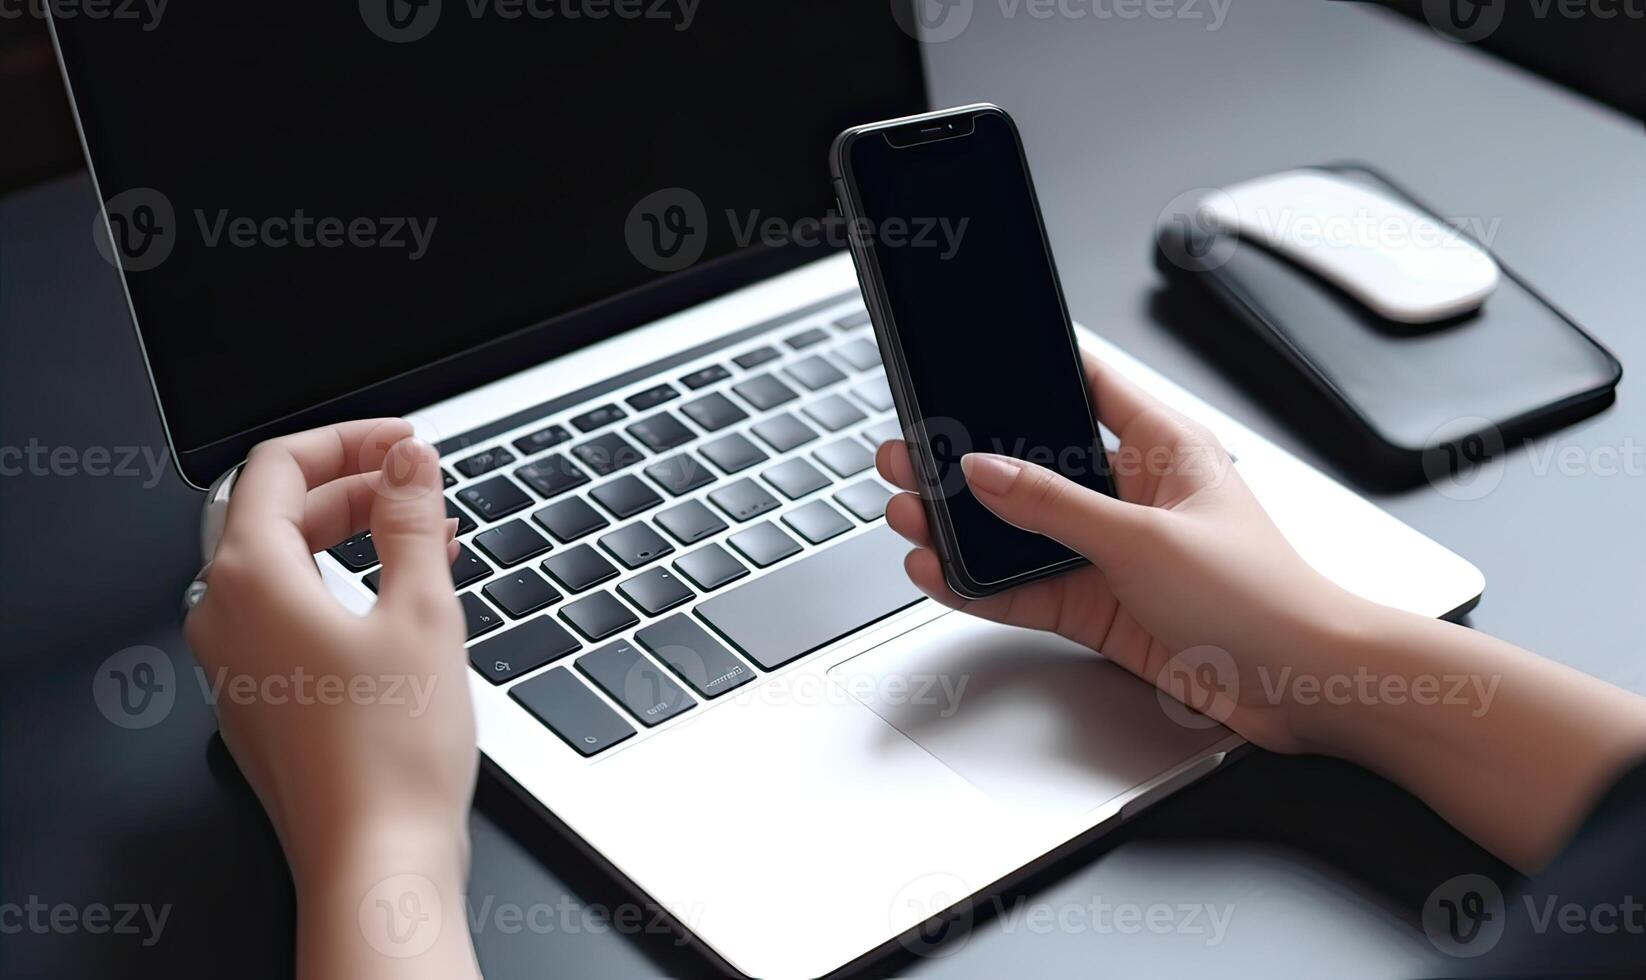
814,601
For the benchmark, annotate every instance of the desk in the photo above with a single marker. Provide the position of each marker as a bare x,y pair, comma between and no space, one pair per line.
1321,867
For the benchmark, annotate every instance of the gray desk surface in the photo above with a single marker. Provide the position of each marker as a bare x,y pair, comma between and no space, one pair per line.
1321,867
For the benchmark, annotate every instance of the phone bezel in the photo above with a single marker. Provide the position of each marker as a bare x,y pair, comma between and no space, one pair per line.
955,573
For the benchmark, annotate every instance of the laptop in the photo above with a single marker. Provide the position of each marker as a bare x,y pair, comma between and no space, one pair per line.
583,256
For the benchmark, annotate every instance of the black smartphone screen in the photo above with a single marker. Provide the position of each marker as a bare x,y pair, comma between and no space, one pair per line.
992,365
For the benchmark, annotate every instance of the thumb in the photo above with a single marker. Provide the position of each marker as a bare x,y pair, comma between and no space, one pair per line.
1036,499
408,525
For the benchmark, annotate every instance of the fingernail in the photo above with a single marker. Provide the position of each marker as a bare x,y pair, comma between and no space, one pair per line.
451,527
990,473
405,459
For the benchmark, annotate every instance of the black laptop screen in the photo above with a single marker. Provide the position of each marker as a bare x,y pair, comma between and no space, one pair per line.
316,199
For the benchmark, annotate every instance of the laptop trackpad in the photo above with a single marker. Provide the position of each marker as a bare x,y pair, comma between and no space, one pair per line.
1033,720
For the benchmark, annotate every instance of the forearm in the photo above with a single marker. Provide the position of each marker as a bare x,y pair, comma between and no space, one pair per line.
388,905
1509,747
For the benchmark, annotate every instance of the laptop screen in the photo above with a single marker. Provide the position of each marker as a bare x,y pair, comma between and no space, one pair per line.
328,210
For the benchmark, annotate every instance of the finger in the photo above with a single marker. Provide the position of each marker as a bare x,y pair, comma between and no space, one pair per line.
410,529
1036,499
337,511
907,516
895,466
272,490
1118,401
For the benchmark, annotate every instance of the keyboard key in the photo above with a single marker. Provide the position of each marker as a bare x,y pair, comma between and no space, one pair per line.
357,553
525,648
852,321
732,453
494,499
845,457
597,417
764,544
635,544
764,391
572,711
794,478
783,432
882,432
607,454
705,376
598,615
552,476
875,393
710,567
521,592
756,357
447,481
743,500
867,500
713,411
483,462
580,568
655,591
477,616
696,657
511,543
652,397
812,602
690,522
625,496
661,432
634,682
542,439
834,413
817,522
814,373
468,568
680,474
465,523
807,338
569,519
861,354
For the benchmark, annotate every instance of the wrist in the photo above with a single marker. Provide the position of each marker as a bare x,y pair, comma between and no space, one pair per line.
1329,654
351,849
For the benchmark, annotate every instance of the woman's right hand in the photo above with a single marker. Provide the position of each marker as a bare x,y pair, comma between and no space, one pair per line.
1186,567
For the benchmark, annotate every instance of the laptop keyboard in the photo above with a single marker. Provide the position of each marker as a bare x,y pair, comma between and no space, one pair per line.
633,558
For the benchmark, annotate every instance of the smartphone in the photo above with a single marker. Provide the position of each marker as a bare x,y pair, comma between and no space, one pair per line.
957,272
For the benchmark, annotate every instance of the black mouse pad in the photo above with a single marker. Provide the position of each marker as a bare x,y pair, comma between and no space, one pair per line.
1411,401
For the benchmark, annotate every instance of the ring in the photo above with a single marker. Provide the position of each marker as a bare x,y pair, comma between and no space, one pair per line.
196,590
